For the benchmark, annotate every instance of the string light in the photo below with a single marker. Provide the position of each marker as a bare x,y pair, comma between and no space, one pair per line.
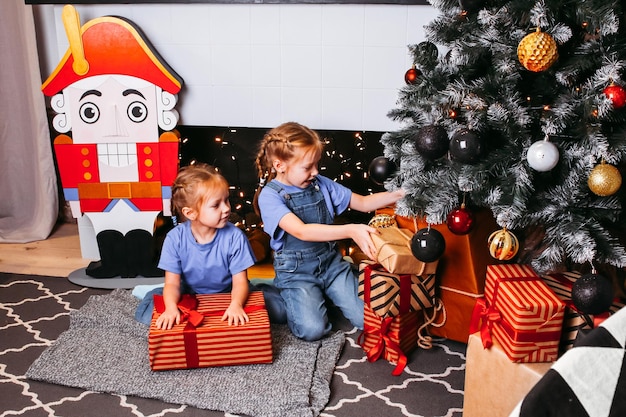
346,158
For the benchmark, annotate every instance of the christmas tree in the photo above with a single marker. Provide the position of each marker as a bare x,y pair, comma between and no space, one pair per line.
518,107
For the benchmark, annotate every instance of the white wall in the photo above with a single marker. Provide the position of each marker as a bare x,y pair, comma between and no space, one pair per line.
258,65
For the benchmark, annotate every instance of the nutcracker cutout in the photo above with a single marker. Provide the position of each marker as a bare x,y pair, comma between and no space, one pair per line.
117,152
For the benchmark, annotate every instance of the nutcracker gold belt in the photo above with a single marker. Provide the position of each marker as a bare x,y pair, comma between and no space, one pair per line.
113,190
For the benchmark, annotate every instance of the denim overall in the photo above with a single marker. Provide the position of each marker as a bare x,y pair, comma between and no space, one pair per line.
306,272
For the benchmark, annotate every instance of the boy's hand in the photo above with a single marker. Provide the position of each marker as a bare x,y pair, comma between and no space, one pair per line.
167,319
235,315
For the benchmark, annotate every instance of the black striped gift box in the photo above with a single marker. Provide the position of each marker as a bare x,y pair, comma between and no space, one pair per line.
389,294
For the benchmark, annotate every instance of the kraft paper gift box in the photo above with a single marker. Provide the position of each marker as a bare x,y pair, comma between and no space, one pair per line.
461,271
574,322
521,312
394,253
202,339
390,338
493,384
392,294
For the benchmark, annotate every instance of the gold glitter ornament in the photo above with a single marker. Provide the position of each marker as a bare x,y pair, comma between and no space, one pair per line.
380,221
503,245
604,180
537,51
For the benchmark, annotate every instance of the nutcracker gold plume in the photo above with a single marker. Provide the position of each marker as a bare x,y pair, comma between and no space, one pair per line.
117,148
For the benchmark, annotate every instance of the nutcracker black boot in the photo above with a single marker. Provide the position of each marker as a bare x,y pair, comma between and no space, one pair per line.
141,257
112,261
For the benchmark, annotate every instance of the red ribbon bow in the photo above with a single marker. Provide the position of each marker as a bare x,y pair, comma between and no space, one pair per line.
383,342
487,315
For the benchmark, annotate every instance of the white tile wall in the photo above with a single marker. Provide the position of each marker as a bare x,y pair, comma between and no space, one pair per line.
328,66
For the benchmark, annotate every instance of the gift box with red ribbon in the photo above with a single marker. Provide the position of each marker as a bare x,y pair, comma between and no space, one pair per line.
393,246
392,294
461,271
574,322
521,312
202,339
391,338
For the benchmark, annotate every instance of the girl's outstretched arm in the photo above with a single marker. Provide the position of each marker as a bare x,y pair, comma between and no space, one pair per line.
371,202
315,232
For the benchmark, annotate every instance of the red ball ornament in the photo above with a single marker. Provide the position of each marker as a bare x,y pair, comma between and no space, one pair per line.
460,221
411,76
617,94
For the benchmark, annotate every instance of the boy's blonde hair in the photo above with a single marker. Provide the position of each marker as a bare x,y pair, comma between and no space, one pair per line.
282,142
193,184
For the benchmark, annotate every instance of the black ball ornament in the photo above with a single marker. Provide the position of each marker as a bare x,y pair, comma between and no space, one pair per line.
381,169
432,141
466,146
592,294
471,6
427,53
427,245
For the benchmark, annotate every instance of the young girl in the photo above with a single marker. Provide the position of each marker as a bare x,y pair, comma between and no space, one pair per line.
297,207
205,253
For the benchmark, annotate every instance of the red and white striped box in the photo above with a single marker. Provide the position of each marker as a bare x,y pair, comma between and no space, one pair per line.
521,312
391,338
212,342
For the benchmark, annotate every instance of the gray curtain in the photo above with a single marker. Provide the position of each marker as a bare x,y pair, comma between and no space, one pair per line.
28,185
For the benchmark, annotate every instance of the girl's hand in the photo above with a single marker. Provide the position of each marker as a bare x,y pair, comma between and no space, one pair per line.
235,315
362,237
167,319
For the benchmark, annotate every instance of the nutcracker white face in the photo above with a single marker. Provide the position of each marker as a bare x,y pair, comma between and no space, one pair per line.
113,109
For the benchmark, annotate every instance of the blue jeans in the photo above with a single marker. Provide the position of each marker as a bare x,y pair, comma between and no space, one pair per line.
305,278
273,303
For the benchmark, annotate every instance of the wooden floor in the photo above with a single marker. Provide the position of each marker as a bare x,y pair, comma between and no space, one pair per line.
59,255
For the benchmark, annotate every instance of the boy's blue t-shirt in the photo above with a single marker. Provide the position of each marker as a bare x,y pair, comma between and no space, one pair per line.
206,268
273,206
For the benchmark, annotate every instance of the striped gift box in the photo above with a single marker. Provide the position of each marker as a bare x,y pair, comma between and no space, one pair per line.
573,322
521,312
392,294
212,342
391,338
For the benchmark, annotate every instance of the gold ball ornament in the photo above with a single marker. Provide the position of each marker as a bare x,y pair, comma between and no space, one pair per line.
604,180
381,221
503,245
537,51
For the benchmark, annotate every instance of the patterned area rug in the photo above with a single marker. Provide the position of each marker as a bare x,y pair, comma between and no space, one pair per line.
34,312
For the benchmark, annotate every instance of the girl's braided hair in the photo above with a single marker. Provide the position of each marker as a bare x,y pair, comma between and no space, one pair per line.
281,143
192,186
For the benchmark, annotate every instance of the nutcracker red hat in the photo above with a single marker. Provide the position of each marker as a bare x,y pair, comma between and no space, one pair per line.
108,45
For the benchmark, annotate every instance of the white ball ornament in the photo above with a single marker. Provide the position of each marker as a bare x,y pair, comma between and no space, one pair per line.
542,156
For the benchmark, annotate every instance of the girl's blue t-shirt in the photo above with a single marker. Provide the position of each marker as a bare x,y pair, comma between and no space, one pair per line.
206,268
273,206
